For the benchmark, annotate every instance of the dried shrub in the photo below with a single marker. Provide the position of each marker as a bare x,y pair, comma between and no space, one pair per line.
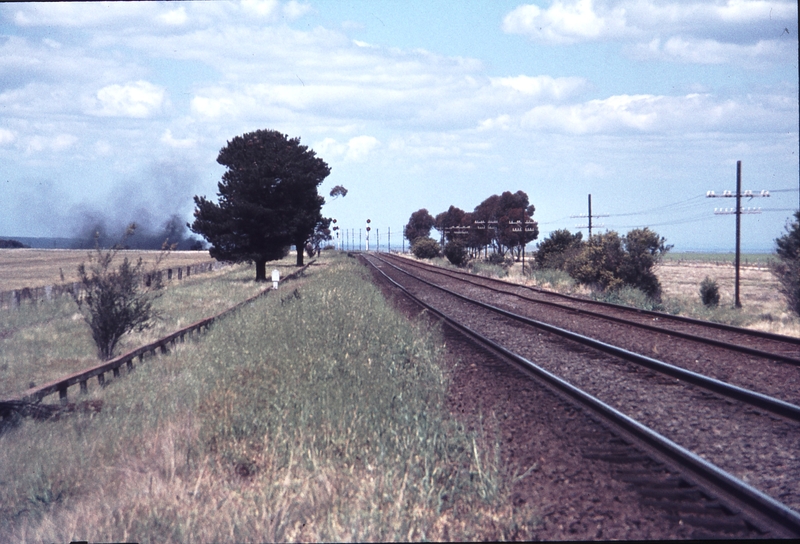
709,292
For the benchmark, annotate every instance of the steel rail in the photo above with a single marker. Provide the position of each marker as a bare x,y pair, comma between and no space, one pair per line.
733,487
679,334
661,315
759,400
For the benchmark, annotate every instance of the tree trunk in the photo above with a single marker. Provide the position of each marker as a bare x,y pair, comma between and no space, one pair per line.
261,270
300,250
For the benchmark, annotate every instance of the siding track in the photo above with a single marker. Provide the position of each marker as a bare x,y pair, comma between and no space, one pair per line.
718,447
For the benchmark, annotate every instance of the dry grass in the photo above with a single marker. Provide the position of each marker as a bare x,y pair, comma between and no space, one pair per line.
21,268
316,417
45,341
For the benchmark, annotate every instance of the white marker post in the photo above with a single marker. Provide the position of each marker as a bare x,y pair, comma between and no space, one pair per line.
276,277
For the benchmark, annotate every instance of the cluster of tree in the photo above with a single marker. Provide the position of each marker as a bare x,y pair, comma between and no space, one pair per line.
606,261
268,201
502,222
11,244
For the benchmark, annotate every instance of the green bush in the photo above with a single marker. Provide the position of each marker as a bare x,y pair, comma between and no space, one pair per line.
557,248
709,292
426,248
456,253
608,261
787,270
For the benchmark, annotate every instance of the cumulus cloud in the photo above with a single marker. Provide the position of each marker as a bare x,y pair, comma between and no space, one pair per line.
137,99
294,10
56,143
6,136
693,113
356,149
169,140
706,51
668,30
542,86
175,17
566,22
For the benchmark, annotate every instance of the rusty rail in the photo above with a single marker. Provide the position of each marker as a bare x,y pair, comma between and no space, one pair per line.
36,394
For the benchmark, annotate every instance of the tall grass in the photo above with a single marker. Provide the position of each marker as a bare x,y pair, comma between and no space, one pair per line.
315,414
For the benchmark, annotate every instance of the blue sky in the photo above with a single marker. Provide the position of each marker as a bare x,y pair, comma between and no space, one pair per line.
119,109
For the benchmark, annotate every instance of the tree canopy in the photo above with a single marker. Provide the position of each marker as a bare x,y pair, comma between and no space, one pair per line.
419,225
268,200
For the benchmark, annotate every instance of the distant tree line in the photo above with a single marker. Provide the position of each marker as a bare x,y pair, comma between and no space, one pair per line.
503,223
11,244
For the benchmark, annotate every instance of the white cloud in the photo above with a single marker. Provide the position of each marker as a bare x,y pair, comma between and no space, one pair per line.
168,139
359,147
542,86
6,136
671,30
261,8
56,143
704,51
175,17
566,22
137,99
294,10
693,113
356,149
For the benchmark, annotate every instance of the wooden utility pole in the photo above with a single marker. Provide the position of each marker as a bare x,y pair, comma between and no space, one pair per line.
738,211
590,218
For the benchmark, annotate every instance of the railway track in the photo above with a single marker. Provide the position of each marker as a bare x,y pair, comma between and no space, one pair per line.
754,360
726,454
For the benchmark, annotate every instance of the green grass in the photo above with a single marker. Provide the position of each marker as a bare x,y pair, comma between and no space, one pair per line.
316,413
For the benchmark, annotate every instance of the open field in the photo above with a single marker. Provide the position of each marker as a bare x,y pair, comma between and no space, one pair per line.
45,341
20,268
746,259
314,415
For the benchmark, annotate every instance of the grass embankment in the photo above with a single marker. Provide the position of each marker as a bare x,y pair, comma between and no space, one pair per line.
314,414
45,341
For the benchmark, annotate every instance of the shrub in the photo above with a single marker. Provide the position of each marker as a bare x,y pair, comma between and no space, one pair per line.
112,301
497,258
709,292
557,248
426,248
456,253
787,269
608,261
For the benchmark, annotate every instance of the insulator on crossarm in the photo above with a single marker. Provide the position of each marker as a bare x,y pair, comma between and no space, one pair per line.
764,193
710,194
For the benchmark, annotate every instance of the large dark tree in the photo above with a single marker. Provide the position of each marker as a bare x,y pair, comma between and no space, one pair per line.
419,225
268,200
